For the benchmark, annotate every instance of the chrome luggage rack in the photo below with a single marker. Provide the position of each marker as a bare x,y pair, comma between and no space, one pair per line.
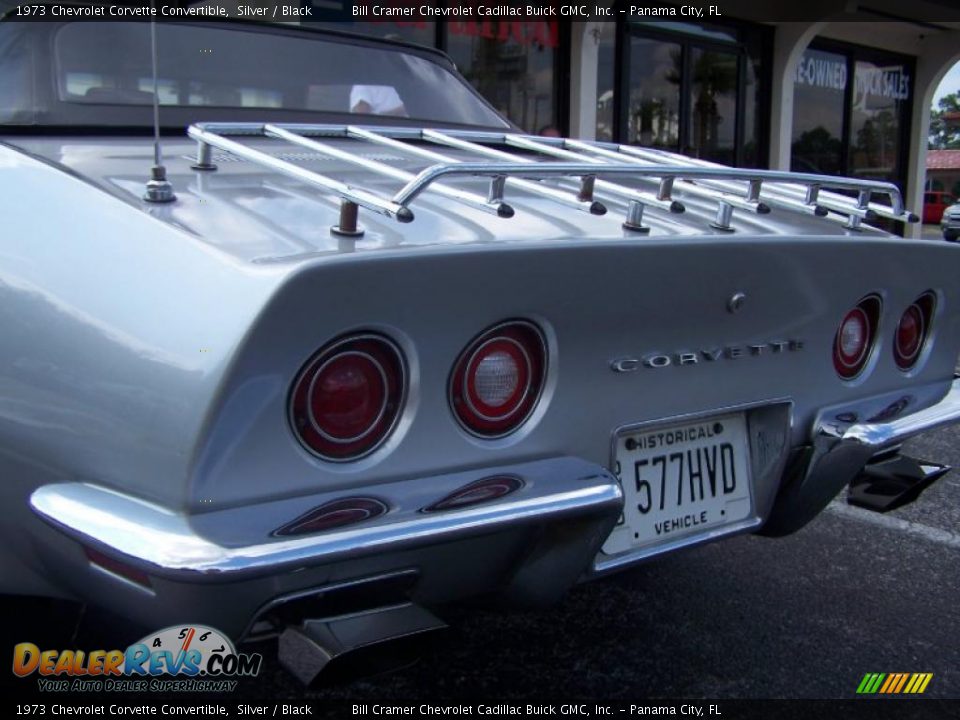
754,191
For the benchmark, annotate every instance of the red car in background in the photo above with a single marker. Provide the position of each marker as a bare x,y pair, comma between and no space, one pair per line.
934,203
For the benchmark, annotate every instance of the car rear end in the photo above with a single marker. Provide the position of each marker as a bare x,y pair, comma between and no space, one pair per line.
460,422
950,222
330,388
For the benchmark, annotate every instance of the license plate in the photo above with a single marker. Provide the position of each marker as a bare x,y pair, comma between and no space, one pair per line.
680,481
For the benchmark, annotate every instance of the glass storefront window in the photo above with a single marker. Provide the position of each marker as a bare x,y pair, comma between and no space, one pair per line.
713,106
879,92
850,112
512,64
421,32
606,81
705,31
751,154
653,108
694,88
818,97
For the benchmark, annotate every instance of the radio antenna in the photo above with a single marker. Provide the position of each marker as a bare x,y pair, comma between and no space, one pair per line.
159,189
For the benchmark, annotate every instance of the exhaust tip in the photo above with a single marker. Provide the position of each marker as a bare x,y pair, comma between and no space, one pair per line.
335,651
888,484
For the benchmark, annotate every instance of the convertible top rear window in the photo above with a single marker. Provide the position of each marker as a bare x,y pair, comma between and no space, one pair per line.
100,74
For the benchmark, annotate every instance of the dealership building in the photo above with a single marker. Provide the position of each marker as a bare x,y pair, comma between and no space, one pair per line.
846,90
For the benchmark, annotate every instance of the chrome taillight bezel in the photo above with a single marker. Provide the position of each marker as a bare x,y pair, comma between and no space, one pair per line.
386,358
531,347
848,367
924,306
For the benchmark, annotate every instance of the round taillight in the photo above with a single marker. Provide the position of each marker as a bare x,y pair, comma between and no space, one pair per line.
855,337
348,397
497,380
912,331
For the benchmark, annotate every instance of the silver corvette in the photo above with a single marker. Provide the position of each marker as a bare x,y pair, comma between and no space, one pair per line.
355,348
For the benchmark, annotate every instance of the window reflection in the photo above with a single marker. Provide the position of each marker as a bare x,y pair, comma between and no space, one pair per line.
713,104
421,32
606,82
818,96
690,94
878,93
512,64
753,112
653,110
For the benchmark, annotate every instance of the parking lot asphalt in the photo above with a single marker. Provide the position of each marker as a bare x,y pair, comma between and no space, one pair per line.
749,617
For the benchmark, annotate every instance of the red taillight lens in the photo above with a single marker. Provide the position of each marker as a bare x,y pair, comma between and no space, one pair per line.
347,399
497,380
912,331
855,337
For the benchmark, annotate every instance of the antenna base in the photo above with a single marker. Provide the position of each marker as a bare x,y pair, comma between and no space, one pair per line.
159,189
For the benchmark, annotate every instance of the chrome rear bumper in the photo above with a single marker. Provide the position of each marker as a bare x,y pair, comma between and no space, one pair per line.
844,440
532,544
165,543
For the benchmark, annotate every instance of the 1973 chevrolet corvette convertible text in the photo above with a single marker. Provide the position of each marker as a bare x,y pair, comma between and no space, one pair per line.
364,349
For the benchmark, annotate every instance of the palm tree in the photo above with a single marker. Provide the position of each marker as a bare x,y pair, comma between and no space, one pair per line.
714,76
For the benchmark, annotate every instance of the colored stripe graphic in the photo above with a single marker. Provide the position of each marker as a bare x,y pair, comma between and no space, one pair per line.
891,679
894,683
903,679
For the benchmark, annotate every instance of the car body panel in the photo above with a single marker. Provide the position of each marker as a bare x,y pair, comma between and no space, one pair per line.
950,222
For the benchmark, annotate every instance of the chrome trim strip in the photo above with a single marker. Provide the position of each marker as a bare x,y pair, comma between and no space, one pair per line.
163,542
